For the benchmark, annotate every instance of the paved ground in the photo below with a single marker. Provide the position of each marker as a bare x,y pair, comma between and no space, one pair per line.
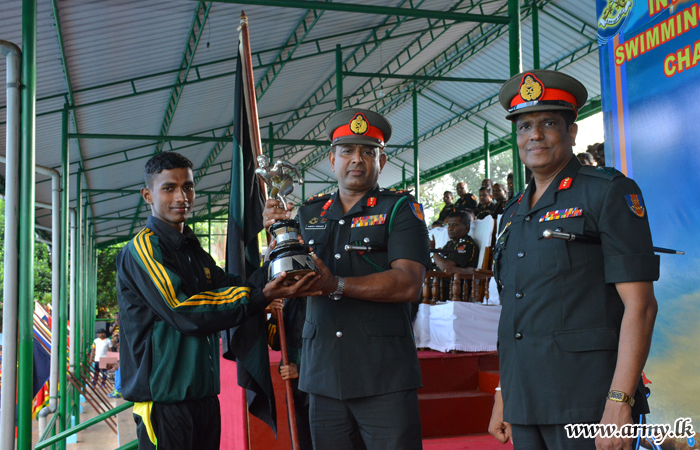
100,436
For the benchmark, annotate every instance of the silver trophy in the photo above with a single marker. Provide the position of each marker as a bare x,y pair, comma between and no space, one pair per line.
289,254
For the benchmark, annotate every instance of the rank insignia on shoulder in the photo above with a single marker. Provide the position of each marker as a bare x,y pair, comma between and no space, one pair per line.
368,221
328,204
372,202
636,204
562,214
565,183
417,210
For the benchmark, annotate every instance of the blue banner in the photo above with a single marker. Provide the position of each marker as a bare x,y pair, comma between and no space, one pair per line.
650,76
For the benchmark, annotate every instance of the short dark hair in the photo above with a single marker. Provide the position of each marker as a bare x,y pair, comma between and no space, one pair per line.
447,192
487,189
510,176
465,217
164,161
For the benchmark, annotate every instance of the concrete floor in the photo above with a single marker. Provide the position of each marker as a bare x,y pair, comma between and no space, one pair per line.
100,436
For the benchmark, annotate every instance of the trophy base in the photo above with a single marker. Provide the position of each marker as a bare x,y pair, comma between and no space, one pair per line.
294,265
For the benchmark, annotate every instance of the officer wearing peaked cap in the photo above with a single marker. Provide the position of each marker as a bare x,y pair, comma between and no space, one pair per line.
359,361
569,354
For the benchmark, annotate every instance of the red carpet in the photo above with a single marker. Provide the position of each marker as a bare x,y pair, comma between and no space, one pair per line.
455,403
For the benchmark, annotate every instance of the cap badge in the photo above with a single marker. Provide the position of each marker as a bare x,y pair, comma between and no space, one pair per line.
531,88
359,124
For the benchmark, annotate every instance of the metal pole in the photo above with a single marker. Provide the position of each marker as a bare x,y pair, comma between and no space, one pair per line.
515,68
270,144
79,313
73,310
13,55
403,177
209,220
338,78
535,35
26,227
63,277
303,186
487,153
416,169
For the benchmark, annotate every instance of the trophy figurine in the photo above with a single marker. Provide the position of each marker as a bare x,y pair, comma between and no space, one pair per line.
289,255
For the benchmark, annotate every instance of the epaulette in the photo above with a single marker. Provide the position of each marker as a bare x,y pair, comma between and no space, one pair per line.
315,198
601,172
515,199
395,191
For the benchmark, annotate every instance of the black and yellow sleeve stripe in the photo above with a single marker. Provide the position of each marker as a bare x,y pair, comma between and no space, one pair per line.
149,257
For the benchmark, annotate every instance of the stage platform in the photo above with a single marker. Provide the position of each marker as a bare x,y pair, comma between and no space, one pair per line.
455,403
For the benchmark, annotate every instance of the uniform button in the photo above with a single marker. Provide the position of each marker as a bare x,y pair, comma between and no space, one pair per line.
339,333
311,242
518,295
337,256
518,336
521,254
528,218
366,240
558,229
341,221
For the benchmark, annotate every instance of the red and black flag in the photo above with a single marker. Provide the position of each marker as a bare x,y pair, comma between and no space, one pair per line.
247,343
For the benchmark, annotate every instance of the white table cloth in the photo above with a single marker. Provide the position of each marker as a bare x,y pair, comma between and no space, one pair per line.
467,327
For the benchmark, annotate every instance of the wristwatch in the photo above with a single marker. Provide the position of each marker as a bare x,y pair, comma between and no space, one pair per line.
619,396
338,293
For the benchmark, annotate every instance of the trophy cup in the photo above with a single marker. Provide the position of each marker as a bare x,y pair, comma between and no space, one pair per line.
289,255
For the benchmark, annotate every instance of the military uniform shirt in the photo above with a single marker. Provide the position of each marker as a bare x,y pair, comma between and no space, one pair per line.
466,202
463,260
446,211
561,313
358,348
482,211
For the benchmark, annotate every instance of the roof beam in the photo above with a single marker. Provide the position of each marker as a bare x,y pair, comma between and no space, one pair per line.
355,58
394,65
201,14
380,10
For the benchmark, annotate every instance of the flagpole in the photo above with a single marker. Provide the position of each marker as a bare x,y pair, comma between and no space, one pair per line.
253,123
288,383
250,99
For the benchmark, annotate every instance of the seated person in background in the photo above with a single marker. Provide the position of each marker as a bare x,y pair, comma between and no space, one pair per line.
586,159
437,224
458,224
466,198
294,311
486,205
500,197
449,206
511,186
486,182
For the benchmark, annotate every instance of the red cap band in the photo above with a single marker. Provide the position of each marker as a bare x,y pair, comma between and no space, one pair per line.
549,95
358,126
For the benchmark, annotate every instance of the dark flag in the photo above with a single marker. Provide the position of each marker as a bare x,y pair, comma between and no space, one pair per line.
247,343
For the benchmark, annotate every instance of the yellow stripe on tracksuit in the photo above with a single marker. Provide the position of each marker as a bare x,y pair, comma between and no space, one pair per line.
143,410
161,279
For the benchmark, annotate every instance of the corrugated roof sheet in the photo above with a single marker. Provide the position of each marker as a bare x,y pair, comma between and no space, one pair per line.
124,57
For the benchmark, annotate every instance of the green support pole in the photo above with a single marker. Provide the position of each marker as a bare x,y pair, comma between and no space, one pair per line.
25,309
338,78
63,274
403,177
303,186
209,221
515,68
416,169
487,153
535,35
84,286
270,145
78,296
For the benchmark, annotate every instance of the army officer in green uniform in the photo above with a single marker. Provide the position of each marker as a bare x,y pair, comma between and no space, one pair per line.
577,317
358,361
